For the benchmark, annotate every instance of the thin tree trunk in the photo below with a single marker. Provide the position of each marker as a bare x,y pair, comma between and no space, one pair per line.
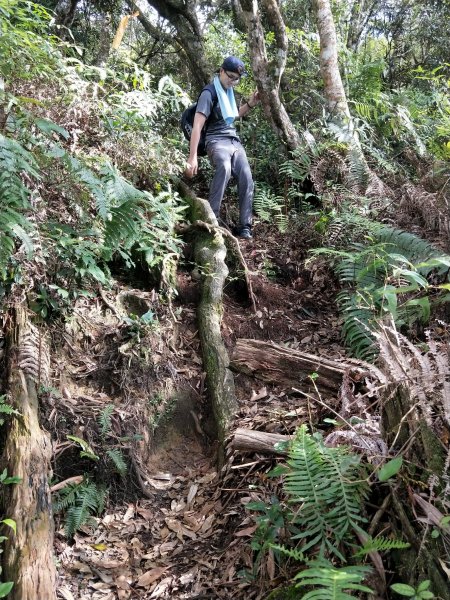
183,17
267,77
28,555
336,98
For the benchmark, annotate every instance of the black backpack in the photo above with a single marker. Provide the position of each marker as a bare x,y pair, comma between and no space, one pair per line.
187,119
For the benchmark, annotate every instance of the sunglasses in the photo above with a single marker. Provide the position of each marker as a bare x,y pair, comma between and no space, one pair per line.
232,76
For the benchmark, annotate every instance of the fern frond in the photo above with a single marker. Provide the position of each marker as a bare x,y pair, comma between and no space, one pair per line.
104,419
269,207
117,459
14,162
86,504
86,450
291,552
326,485
333,583
381,544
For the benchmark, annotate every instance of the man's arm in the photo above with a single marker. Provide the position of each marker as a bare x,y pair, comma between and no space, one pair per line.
192,164
248,104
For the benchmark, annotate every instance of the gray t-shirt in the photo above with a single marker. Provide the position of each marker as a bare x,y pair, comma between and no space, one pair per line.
217,127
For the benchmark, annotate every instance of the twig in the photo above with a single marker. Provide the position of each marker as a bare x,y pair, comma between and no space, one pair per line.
380,512
62,484
402,420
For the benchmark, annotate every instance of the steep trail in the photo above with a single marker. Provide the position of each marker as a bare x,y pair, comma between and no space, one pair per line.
188,536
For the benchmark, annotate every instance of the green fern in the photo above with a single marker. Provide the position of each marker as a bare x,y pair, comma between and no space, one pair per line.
380,544
81,501
326,485
104,419
86,450
14,197
116,457
331,583
364,271
269,207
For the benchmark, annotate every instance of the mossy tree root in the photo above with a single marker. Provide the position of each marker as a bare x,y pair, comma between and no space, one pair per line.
209,254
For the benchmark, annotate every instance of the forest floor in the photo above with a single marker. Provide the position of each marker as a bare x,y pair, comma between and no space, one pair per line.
189,535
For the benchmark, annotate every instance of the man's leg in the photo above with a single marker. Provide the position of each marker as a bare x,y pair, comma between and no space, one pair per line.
241,170
219,154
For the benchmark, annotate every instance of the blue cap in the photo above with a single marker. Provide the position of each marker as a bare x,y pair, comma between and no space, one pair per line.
235,65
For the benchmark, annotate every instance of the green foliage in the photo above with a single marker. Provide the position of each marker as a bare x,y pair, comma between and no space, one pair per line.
422,591
6,587
26,49
6,409
326,483
386,266
391,468
331,583
80,501
270,208
15,161
86,450
116,458
380,544
270,522
104,419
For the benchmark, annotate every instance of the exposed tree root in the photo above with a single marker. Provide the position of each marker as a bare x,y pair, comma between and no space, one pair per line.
209,253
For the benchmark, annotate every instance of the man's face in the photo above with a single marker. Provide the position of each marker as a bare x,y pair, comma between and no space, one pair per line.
229,79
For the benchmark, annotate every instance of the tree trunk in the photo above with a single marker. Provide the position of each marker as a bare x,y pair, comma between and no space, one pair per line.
28,556
65,12
291,368
183,17
336,98
268,76
210,252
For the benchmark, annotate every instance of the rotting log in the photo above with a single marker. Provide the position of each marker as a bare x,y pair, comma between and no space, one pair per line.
249,440
284,366
209,254
28,554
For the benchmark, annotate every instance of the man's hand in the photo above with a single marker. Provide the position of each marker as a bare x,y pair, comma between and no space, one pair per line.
191,168
254,98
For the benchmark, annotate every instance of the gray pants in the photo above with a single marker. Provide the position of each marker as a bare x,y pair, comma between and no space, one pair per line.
228,158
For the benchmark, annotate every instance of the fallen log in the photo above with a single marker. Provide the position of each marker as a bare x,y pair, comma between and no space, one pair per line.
28,553
209,253
248,440
284,366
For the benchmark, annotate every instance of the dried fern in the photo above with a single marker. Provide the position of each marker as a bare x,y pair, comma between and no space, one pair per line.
34,354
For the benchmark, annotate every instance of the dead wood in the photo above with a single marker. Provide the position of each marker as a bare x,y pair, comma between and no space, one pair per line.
248,440
288,367
28,556
210,252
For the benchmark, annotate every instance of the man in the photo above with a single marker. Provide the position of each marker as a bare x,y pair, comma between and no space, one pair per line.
224,149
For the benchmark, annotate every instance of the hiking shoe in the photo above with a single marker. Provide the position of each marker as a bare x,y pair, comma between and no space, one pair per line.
245,232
